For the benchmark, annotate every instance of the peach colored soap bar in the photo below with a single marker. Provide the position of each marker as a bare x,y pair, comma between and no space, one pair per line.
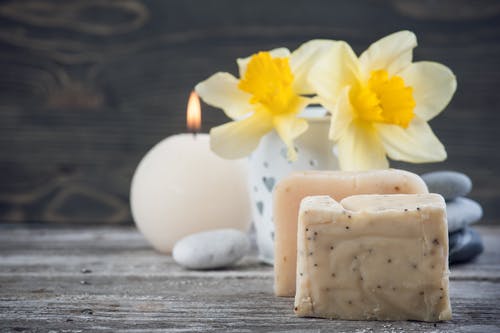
336,184
382,257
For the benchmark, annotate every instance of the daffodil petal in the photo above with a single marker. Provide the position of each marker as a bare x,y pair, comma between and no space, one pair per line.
289,128
221,90
337,68
392,53
342,115
415,144
360,148
433,87
237,139
302,59
281,52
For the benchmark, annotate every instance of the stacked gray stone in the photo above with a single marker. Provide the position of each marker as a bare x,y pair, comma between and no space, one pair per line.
462,212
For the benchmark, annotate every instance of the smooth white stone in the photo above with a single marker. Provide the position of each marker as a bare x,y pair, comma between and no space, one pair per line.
462,212
211,249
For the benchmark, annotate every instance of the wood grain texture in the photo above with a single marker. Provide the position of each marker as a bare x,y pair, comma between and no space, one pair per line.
108,279
87,87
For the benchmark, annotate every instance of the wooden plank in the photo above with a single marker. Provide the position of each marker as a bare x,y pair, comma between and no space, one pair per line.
33,251
125,286
202,303
89,86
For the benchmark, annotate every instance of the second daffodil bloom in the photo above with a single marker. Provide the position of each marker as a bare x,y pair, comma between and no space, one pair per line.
381,102
269,95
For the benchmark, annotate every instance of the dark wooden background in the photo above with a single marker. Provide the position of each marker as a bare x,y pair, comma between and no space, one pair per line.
87,87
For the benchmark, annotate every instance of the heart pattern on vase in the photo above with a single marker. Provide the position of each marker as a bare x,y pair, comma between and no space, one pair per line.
260,206
269,183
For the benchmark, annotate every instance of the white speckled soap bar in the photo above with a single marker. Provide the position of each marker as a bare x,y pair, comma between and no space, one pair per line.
381,257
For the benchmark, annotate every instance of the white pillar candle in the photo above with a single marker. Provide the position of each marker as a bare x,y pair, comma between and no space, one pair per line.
181,187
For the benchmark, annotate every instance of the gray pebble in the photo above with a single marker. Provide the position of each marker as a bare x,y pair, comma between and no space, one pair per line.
450,184
211,249
462,212
465,245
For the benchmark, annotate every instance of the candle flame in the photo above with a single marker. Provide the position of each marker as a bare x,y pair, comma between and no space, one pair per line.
193,113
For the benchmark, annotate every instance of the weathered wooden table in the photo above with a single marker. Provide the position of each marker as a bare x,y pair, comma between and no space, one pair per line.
70,279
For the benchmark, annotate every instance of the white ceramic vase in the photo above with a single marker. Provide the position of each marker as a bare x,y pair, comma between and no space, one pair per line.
269,164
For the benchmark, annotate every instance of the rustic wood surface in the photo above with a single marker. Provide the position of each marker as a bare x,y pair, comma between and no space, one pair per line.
64,279
88,86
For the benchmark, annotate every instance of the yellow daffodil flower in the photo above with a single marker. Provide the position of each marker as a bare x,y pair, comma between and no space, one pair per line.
269,95
381,102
